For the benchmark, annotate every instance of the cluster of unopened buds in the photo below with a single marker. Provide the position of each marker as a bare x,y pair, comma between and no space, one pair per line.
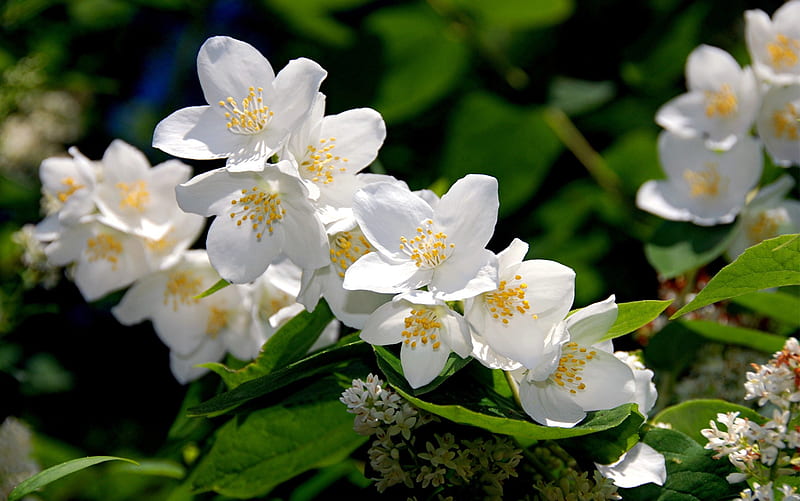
711,159
764,453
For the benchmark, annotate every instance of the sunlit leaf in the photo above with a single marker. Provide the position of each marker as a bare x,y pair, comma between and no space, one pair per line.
677,248
389,363
631,316
56,472
772,263
221,284
780,306
742,336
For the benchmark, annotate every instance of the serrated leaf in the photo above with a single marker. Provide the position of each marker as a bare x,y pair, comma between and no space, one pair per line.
772,263
44,477
694,415
287,345
322,362
742,336
676,247
777,305
422,59
506,135
221,284
390,365
253,454
635,314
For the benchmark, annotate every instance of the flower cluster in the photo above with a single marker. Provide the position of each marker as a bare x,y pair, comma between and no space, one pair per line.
762,453
402,454
711,159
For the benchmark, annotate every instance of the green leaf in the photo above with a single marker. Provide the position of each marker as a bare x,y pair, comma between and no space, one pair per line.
694,415
253,454
513,144
322,362
672,349
314,18
518,14
772,263
422,59
575,96
152,467
606,446
56,472
390,365
780,306
692,473
676,247
289,344
634,315
221,284
742,336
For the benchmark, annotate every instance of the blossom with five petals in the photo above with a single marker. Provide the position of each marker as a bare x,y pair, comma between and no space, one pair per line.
251,111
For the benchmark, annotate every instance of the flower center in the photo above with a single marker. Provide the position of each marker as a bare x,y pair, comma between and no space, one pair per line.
422,326
785,122
182,287
320,164
346,248
70,187
705,183
260,210
161,246
217,320
134,195
570,365
104,247
507,299
427,248
248,117
765,226
783,52
722,102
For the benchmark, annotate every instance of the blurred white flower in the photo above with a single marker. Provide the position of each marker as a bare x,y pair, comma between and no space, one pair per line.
774,44
779,124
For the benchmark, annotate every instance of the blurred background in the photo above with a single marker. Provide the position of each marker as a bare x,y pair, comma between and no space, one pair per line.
555,98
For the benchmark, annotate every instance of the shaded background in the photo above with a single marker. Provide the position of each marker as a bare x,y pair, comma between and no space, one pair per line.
555,98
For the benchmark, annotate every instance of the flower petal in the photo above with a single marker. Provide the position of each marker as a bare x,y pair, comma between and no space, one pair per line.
197,132
640,465
467,213
373,272
228,68
422,363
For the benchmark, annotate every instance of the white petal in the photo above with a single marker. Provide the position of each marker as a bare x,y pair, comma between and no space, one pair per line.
197,132
359,135
465,275
609,383
513,254
422,363
373,272
467,213
386,324
548,405
184,367
237,254
455,333
589,325
296,88
640,465
228,68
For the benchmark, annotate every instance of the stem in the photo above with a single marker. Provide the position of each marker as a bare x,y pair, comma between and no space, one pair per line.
512,385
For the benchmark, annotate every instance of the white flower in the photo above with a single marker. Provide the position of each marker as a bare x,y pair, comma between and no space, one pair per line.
774,44
428,330
645,394
702,186
767,215
721,102
640,465
261,213
516,318
417,245
251,112
105,258
352,307
330,150
195,330
68,186
135,198
588,376
779,124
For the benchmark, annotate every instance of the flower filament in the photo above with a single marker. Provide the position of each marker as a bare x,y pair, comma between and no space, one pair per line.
786,122
784,52
133,195
422,326
320,163
104,247
253,115
705,183
182,287
258,209
722,102
508,299
70,187
427,248
570,365
346,248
